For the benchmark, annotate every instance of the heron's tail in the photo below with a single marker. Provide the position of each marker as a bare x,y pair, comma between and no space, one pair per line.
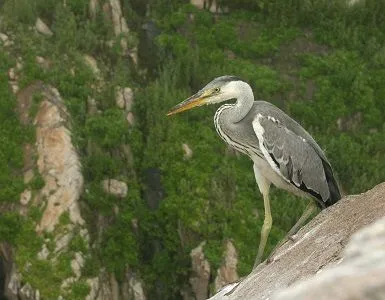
334,189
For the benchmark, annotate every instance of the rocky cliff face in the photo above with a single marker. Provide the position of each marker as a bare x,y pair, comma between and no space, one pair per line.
338,255
50,265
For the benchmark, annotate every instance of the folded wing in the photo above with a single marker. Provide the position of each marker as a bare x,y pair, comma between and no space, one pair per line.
292,157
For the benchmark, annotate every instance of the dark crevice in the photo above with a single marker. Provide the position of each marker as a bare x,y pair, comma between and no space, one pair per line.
3,276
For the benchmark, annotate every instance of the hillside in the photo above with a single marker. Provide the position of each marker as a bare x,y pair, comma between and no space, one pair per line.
104,197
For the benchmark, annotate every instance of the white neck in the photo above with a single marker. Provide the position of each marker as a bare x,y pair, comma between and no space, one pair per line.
241,91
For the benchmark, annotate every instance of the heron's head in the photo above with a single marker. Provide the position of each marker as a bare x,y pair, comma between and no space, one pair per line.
220,89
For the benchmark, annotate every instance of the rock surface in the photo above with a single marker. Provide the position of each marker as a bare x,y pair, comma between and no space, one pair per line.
93,8
201,269
124,98
115,187
42,28
228,271
58,162
93,65
188,153
118,20
319,244
113,11
211,5
107,287
360,275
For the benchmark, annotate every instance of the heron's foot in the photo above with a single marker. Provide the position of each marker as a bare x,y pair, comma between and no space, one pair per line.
292,238
258,262
270,259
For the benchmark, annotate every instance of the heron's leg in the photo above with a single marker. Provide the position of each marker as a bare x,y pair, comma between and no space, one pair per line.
264,186
309,210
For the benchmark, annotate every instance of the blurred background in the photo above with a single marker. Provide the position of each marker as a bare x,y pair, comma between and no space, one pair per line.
169,211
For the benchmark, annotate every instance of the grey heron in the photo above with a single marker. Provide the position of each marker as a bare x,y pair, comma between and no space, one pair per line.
282,151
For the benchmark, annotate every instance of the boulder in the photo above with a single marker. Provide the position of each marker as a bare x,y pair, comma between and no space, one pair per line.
359,275
115,187
319,248
188,153
201,273
58,162
42,28
227,273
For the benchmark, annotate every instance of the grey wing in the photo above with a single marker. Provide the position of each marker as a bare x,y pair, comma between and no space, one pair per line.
291,156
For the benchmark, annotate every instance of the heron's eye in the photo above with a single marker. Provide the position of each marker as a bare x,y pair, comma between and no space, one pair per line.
216,90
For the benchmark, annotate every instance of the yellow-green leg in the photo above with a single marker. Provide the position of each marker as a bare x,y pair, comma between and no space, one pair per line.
309,210
265,230
264,187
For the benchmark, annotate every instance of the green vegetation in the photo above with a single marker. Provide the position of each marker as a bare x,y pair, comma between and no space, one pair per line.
12,138
37,182
324,68
320,61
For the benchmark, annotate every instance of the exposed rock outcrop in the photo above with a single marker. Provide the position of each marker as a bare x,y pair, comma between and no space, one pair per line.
124,98
201,268
321,244
42,28
53,179
43,62
107,287
58,162
113,11
13,76
228,271
360,275
188,153
93,8
5,40
211,5
52,161
93,65
120,23
115,187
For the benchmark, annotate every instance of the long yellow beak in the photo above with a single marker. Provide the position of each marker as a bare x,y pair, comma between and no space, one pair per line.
195,100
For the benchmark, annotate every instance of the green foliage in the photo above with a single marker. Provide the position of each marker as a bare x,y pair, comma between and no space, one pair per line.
20,11
337,93
35,213
49,286
45,275
64,218
213,252
9,227
36,99
79,290
119,242
91,266
12,137
37,182
348,95
28,243
78,244
218,191
109,129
